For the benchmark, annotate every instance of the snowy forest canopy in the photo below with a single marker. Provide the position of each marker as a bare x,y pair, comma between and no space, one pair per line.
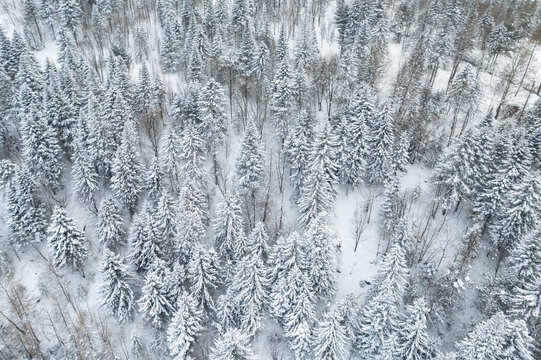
270,179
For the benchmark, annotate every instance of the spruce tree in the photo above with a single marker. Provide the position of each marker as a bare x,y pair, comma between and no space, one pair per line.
299,318
321,263
229,228
413,342
110,229
66,242
232,345
250,163
184,327
203,275
380,145
330,339
116,290
154,304
126,179
298,147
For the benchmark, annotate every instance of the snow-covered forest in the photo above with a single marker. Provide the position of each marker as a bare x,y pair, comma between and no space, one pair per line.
270,179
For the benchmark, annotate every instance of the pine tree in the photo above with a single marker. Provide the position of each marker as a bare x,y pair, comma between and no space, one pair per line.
155,305
70,13
110,229
393,272
115,288
250,163
288,257
413,342
257,243
330,339
214,119
232,345
380,145
525,299
321,261
66,242
126,179
185,326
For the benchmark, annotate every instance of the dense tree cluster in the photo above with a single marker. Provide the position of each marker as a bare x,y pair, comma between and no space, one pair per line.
173,169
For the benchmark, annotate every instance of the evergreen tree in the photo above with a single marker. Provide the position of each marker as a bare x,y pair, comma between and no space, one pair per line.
116,289
496,338
154,180
298,147
126,179
155,305
214,120
203,275
41,151
66,242
171,155
526,257
330,339
232,345
250,286
321,257
165,226
110,229
380,145
250,164
413,342
143,240
300,316
375,329
525,300
85,175
319,191
257,243
520,212
229,228
25,213
185,326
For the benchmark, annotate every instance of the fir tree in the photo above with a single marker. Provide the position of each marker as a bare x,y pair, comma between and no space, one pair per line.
66,242
526,257
116,289
170,155
154,180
